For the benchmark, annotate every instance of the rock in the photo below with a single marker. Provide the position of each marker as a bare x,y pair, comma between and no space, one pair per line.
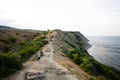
35,75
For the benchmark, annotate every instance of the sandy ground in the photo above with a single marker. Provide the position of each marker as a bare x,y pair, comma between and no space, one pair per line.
47,64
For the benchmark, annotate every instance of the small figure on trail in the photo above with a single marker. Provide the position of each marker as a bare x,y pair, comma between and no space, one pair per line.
38,55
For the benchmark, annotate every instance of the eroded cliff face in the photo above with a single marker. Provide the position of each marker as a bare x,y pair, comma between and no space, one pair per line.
64,40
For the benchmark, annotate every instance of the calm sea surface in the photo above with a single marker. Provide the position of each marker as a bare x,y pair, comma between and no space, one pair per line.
106,50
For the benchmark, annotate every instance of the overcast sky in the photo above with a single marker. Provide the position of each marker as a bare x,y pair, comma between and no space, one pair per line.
90,17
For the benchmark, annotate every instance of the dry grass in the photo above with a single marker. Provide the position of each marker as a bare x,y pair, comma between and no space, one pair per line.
20,35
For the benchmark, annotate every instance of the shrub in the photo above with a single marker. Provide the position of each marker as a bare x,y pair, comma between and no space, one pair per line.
87,65
76,58
7,47
8,40
17,33
91,78
30,47
45,32
100,78
12,39
5,41
76,55
43,37
22,43
27,52
45,41
9,63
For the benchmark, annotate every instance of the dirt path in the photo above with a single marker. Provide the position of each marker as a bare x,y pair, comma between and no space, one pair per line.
53,71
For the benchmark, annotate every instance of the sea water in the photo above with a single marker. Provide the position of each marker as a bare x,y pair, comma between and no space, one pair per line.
106,50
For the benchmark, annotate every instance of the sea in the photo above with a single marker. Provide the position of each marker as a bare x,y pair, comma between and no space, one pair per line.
106,50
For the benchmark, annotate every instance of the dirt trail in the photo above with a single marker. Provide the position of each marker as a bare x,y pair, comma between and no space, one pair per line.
53,71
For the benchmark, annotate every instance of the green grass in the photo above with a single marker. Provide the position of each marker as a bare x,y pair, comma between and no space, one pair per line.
91,66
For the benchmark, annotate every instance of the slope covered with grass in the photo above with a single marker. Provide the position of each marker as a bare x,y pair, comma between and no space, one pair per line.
11,61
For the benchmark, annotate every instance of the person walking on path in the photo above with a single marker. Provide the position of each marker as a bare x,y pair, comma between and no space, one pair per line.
38,55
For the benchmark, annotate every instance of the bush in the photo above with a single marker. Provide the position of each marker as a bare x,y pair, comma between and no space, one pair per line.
8,40
45,42
12,39
87,65
9,63
76,58
7,47
27,52
17,33
22,43
30,47
91,78
5,41
76,55
45,32
43,37
101,78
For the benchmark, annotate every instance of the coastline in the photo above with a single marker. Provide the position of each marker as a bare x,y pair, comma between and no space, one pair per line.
104,54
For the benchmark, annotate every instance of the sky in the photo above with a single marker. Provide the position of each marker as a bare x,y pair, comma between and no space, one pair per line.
90,17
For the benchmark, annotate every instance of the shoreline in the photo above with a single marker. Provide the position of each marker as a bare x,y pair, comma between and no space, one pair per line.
98,57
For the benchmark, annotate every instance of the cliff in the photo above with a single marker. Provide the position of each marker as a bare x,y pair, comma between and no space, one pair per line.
69,39
74,45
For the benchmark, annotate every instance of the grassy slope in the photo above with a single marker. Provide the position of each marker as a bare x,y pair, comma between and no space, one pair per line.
11,60
12,39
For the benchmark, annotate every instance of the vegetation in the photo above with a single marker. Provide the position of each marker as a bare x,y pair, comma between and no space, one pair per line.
45,32
17,33
8,43
12,39
11,61
7,47
29,47
8,40
90,65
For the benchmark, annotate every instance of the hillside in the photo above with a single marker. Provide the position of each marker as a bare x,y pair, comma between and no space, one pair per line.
74,45
65,57
70,39
12,39
17,46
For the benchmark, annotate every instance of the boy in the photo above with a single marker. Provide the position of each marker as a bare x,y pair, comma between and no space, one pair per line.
38,55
